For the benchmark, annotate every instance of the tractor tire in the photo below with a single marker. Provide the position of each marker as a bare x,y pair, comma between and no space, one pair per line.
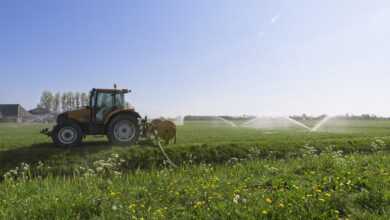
123,130
67,134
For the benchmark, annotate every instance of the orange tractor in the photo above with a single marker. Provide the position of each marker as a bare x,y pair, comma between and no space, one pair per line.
106,115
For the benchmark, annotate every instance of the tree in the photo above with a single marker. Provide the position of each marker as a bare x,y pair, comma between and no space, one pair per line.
84,99
57,102
77,100
46,100
70,101
64,103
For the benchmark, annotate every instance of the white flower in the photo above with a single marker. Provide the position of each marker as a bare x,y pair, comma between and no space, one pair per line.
236,198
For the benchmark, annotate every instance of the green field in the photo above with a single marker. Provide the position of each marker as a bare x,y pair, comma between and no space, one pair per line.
340,172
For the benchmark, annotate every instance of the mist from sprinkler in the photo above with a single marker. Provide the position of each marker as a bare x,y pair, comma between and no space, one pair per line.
285,121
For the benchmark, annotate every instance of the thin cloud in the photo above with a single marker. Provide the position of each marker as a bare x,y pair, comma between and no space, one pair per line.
275,18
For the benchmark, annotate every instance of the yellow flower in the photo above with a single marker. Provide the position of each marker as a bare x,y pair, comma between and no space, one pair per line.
114,194
199,204
268,200
132,206
264,212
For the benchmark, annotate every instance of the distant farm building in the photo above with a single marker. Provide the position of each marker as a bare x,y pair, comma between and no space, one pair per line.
42,115
13,113
39,111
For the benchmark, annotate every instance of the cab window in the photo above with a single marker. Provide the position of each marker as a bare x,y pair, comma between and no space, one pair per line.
119,100
104,105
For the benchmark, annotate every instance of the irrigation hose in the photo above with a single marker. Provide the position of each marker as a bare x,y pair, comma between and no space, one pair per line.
165,154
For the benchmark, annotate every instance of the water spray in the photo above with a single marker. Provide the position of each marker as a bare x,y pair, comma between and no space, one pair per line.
321,123
298,123
227,121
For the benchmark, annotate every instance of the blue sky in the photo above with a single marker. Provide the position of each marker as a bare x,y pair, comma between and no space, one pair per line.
202,57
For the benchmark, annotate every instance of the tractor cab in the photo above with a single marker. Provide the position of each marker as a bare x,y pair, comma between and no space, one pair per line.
106,101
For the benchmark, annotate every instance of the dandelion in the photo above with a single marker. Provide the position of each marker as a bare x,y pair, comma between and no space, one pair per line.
114,194
199,204
132,207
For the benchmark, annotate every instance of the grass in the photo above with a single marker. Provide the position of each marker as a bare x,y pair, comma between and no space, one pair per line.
225,173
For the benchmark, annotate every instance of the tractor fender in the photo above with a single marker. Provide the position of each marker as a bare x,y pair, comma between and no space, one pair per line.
121,111
61,118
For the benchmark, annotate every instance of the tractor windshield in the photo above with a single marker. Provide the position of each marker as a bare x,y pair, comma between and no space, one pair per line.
119,100
105,102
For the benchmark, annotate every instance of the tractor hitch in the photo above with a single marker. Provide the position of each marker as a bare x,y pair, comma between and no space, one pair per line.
46,131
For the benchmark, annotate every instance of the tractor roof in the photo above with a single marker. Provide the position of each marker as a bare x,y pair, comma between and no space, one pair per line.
124,91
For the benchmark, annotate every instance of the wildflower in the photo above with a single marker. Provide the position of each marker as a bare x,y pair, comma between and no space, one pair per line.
199,204
114,194
236,198
268,200
132,207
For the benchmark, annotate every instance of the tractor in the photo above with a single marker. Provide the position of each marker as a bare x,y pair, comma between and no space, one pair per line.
106,115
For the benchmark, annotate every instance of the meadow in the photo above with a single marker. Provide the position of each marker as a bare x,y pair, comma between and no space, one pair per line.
340,172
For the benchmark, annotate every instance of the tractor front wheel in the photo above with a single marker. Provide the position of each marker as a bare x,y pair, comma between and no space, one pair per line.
123,130
67,134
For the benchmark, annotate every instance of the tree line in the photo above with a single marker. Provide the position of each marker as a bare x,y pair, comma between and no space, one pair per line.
67,101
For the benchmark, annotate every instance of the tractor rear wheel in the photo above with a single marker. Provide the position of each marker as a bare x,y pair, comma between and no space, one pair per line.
123,130
67,134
